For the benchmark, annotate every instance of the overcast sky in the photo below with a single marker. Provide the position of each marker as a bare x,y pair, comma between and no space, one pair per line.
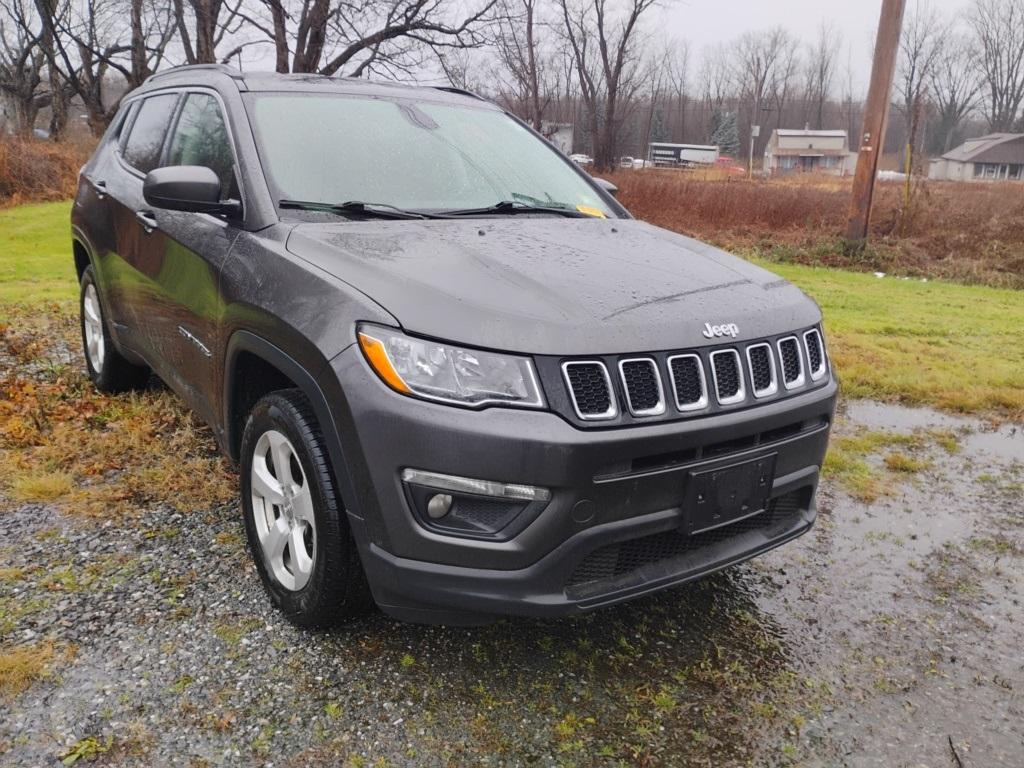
703,23
706,22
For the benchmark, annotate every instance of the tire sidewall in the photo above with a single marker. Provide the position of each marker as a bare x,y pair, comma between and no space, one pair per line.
275,413
97,376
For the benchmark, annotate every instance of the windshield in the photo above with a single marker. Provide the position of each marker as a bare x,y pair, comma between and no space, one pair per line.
413,154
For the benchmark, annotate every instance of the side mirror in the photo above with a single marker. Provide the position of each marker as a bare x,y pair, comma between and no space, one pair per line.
193,188
607,186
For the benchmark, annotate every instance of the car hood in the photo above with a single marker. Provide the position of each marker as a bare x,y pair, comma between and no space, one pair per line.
553,285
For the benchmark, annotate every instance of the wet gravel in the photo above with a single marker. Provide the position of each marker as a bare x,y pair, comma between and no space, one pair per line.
888,636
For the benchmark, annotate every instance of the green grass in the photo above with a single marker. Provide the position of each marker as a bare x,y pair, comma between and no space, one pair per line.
956,347
35,253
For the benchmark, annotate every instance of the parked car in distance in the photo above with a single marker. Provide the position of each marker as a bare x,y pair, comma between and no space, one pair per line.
457,376
626,161
730,166
582,159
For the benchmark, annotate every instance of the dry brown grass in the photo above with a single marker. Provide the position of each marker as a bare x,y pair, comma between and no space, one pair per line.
22,665
33,170
62,442
971,233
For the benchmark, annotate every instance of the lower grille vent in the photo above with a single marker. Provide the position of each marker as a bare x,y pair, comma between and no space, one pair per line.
616,560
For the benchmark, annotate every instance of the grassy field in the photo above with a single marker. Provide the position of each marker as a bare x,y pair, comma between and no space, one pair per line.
956,347
35,254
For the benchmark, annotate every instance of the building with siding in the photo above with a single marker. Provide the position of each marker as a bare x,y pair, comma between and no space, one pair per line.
995,157
791,150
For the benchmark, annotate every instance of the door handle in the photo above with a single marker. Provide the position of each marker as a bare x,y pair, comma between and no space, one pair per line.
147,220
101,188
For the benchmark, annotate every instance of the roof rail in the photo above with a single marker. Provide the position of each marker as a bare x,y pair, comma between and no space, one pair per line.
460,91
222,68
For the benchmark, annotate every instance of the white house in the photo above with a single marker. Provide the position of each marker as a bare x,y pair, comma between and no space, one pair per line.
791,150
995,157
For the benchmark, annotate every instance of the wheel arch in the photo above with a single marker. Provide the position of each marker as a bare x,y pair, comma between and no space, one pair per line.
82,257
254,367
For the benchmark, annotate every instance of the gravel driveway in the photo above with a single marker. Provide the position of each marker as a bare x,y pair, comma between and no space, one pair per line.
888,636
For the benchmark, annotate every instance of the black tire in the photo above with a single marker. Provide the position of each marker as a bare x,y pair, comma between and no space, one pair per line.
108,370
336,589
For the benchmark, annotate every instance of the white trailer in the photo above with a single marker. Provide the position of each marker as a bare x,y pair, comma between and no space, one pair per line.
664,154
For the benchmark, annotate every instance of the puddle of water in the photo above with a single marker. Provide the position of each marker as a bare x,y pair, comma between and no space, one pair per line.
1002,442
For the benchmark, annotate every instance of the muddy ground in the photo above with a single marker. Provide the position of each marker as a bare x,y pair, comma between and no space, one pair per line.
888,636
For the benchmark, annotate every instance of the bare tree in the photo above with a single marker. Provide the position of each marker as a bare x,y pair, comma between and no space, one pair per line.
819,73
677,73
519,36
392,37
955,85
202,26
920,45
21,61
998,27
605,43
757,59
783,79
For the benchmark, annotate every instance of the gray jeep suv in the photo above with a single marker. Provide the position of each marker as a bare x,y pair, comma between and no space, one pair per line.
456,375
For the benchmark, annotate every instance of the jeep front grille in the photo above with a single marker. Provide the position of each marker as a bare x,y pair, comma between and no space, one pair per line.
642,384
622,388
590,389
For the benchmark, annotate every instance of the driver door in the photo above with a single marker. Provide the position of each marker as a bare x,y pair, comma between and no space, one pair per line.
184,266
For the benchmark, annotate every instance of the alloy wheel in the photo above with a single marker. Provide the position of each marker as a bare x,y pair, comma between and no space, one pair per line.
92,318
283,511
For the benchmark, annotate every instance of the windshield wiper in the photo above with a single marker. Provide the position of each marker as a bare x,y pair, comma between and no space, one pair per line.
511,207
355,207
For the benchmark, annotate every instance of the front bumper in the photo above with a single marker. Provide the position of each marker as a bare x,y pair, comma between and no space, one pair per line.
612,530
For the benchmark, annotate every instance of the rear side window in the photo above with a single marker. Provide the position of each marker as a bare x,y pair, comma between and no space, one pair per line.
201,138
142,150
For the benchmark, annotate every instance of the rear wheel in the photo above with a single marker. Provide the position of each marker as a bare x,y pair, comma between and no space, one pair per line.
108,369
294,522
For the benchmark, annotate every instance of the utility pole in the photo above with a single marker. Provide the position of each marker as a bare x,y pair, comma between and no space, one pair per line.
876,112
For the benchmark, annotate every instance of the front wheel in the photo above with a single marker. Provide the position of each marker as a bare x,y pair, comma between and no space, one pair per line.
108,369
295,525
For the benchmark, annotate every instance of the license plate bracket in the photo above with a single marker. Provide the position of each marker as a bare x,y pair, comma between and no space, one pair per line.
724,495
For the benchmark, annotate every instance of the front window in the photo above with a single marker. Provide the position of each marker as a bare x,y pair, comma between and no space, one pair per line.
411,153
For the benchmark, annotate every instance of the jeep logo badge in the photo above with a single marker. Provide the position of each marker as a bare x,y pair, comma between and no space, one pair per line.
716,331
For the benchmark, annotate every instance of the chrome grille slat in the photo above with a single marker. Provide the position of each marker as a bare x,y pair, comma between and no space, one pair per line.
642,384
590,388
689,385
815,353
792,362
761,362
728,376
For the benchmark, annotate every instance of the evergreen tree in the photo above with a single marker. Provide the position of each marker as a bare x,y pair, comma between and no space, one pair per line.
725,133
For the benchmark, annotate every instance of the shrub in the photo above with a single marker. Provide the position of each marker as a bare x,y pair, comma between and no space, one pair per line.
34,170
972,233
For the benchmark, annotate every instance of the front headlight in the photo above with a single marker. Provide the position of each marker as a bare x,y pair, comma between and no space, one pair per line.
447,373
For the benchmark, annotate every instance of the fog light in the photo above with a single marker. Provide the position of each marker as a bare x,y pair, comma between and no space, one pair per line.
439,505
464,506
